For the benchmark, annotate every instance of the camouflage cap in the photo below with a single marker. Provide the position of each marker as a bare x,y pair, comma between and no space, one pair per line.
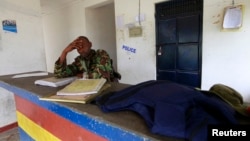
232,97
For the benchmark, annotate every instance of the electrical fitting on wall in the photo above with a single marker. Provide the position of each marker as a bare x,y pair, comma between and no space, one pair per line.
134,28
136,31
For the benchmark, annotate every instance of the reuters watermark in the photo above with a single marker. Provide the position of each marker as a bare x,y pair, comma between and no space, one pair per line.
241,132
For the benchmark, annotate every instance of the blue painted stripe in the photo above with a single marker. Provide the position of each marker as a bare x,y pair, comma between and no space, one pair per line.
24,136
111,132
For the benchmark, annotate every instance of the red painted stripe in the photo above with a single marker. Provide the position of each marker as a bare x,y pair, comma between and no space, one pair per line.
56,125
8,127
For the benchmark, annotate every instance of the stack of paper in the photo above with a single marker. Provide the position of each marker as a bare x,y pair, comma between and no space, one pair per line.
54,82
79,91
83,99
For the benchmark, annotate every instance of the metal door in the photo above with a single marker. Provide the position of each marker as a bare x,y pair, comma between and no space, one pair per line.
178,41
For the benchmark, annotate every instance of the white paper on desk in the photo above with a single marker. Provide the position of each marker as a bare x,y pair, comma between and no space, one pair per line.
233,17
30,74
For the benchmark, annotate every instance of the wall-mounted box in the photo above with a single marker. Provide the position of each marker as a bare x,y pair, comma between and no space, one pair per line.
135,31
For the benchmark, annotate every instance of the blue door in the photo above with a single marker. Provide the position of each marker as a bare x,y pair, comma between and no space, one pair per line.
178,41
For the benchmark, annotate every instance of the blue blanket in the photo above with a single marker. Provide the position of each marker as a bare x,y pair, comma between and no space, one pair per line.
171,109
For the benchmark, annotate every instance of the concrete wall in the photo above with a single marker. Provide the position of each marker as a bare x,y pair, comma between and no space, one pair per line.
100,28
141,65
226,54
22,51
61,26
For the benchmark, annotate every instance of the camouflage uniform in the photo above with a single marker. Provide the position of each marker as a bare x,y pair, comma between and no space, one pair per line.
96,65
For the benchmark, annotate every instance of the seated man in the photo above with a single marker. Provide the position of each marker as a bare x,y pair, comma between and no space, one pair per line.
89,64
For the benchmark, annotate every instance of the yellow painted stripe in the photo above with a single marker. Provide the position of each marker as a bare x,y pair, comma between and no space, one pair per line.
33,130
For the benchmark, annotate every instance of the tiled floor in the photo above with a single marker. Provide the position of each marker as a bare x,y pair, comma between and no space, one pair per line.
10,135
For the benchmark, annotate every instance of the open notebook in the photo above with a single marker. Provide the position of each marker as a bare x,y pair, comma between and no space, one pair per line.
83,99
82,87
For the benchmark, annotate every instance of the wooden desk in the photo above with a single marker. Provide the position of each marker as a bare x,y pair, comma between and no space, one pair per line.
52,121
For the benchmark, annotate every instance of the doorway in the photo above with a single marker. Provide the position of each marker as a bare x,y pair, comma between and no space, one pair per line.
100,28
179,41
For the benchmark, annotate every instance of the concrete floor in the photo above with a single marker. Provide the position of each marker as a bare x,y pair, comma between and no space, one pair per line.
10,135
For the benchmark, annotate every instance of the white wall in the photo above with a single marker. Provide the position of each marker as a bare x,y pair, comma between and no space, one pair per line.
61,26
100,29
139,66
22,51
224,54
